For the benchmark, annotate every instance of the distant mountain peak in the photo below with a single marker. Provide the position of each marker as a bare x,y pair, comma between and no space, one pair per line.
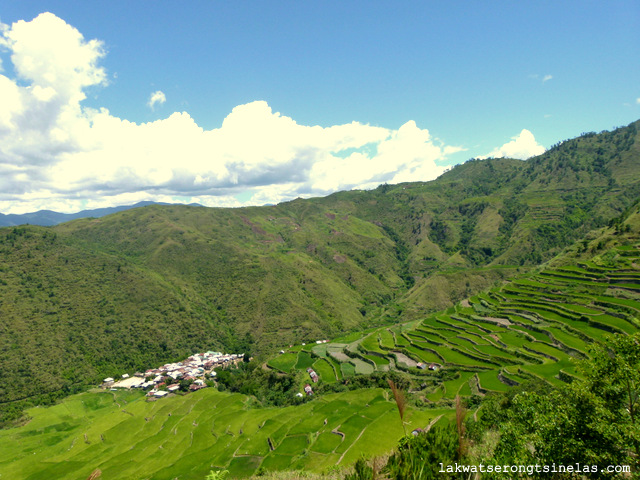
47,218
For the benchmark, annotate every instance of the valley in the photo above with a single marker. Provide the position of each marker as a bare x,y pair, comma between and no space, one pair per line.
534,327
500,276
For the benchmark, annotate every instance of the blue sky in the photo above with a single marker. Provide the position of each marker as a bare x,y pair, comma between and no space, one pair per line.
260,102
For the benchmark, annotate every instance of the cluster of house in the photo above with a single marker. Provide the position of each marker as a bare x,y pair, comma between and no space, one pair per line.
167,379
312,373
431,366
307,389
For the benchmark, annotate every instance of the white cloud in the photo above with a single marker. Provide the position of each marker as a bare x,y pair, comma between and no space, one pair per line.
49,53
638,100
155,98
56,153
521,146
544,78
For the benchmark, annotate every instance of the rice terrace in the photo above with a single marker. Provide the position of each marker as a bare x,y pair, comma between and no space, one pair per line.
529,328
197,432
319,240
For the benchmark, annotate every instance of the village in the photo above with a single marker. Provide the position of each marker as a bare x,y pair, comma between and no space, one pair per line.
188,375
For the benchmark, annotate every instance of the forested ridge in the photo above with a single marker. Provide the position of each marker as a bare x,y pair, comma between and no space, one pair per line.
97,297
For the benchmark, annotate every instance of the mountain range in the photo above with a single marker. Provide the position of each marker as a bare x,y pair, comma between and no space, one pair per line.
47,218
95,297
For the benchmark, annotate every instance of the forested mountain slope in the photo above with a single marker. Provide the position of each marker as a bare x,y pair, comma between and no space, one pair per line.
539,333
95,297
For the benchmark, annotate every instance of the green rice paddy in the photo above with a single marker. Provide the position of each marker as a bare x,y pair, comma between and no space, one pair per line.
535,327
185,437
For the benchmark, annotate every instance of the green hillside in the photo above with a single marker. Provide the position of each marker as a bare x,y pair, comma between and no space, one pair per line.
98,297
187,436
532,328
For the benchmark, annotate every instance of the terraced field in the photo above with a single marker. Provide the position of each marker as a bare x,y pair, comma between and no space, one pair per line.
184,437
533,327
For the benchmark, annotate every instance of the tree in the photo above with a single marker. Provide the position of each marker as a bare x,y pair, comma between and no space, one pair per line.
424,456
592,421
613,376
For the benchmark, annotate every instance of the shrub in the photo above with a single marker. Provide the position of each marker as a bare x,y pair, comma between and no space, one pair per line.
420,457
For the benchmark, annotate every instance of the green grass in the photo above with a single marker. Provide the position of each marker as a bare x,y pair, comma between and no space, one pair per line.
347,369
284,362
515,376
465,390
489,381
436,395
204,428
532,333
424,356
426,334
530,283
324,370
379,361
362,367
370,343
512,338
550,370
455,357
276,462
320,350
336,366
304,361
620,301
326,442
580,309
619,323
386,339
493,351
352,337
293,445
453,387
568,339
547,349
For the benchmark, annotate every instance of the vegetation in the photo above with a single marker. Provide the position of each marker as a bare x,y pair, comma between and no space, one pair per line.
468,286
538,391
188,436
591,421
268,387
534,327
577,430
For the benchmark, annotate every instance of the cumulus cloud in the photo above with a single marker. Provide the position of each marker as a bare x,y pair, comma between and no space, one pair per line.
155,98
57,153
521,146
546,78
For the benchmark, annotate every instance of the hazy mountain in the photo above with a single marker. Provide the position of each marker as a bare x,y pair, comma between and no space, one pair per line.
47,218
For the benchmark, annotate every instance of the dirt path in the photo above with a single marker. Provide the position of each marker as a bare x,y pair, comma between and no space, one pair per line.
354,442
433,422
